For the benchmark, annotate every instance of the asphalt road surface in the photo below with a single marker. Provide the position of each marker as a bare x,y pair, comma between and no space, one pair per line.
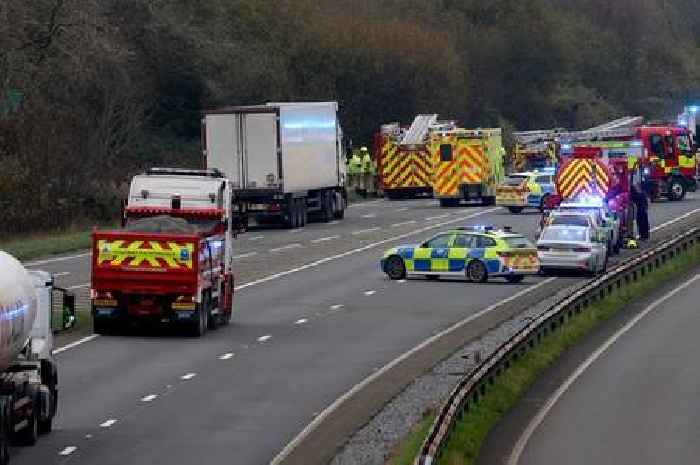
637,401
298,341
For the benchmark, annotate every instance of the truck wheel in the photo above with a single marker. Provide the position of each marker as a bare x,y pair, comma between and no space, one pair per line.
515,210
676,191
30,433
5,428
339,213
304,213
326,208
199,326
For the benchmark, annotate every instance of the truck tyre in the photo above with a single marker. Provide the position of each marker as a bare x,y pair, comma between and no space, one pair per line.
30,433
515,210
448,203
488,200
199,326
339,212
676,191
5,428
326,208
304,212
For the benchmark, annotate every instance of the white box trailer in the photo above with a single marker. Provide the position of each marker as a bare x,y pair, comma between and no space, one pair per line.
285,161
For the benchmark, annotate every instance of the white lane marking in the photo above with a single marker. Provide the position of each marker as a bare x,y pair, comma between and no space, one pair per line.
226,356
369,215
371,378
88,436
333,222
431,218
108,423
370,292
245,255
149,398
188,376
256,238
264,338
62,273
363,231
57,259
336,307
68,450
675,220
295,231
75,343
402,209
403,223
539,418
301,321
296,245
364,204
401,281
78,286
324,239
364,248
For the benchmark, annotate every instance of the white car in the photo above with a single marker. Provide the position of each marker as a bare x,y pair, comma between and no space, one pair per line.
571,247
604,218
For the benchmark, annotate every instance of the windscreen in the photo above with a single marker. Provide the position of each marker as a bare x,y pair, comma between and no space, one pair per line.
569,220
565,234
514,180
517,242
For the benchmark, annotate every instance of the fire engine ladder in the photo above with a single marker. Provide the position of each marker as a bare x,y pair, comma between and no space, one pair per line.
418,132
596,134
622,123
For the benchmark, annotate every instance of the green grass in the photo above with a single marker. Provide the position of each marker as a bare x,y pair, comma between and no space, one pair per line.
43,245
466,441
409,448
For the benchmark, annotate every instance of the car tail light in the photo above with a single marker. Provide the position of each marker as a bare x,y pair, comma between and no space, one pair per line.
542,247
582,249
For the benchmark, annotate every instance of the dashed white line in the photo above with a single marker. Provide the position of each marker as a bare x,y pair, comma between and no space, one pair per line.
256,238
226,356
245,255
363,231
149,398
187,376
68,450
108,423
402,209
301,321
369,215
336,307
324,239
370,292
296,245
265,338
333,222
295,231
438,217
61,273
401,281
403,223
76,343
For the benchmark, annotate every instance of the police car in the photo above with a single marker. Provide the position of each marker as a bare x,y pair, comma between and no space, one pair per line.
476,253
526,190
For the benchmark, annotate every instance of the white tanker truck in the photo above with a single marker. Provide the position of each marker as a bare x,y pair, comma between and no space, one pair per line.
28,372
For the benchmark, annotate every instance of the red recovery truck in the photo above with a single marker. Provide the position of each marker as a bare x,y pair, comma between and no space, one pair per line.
172,260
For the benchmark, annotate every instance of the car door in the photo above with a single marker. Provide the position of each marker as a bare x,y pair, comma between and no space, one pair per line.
461,246
433,255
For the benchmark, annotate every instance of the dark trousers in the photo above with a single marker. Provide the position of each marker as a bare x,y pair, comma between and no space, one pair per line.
643,223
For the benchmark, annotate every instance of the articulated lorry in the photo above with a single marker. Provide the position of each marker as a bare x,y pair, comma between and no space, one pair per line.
172,261
285,161
28,371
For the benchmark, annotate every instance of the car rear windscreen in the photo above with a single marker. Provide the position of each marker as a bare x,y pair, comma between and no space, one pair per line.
565,234
518,242
569,220
514,180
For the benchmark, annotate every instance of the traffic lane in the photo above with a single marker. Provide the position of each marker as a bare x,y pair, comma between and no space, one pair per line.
390,217
273,390
93,373
636,403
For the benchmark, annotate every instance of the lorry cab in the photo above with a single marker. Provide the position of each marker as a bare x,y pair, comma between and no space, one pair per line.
670,162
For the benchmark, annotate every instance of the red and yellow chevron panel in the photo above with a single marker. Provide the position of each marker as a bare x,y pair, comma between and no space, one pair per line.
150,253
473,163
583,177
406,169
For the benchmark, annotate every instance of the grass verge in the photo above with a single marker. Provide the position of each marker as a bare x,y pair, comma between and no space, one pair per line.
406,453
465,443
43,245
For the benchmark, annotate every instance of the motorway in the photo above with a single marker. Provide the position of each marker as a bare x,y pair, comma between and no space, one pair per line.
633,400
314,317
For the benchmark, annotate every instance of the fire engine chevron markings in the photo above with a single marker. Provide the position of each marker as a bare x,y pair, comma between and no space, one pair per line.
108,423
68,450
